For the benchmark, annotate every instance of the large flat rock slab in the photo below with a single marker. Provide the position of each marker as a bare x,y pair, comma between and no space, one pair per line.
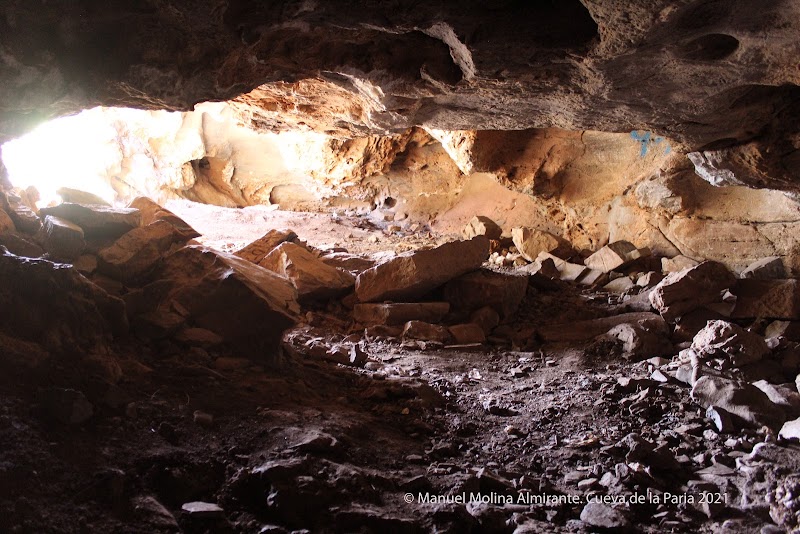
586,330
687,290
412,275
97,220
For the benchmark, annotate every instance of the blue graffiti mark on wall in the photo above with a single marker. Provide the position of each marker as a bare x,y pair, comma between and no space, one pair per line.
647,139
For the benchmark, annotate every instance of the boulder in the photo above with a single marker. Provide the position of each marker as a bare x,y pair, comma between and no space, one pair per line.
619,285
151,212
601,515
21,245
486,317
95,220
413,274
480,225
721,339
53,305
62,239
503,292
426,332
586,330
76,196
546,267
349,262
790,430
786,397
744,401
396,313
570,272
787,329
768,299
22,215
689,324
247,305
649,279
137,252
258,249
312,277
467,333
530,242
615,256
678,263
765,269
687,290
642,340
86,264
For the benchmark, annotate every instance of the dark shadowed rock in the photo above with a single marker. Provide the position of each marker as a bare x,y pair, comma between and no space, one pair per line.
502,292
137,252
771,299
765,269
97,221
481,225
413,274
152,212
748,403
396,313
62,239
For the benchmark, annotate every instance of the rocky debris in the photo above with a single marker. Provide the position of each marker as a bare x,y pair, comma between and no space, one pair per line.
601,515
546,267
426,332
746,402
62,240
411,275
203,510
531,242
313,279
76,196
586,330
787,329
569,272
765,269
471,291
97,221
619,285
258,249
642,340
52,304
481,225
689,324
349,262
678,263
6,224
396,313
615,256
687,290
23,215
767,299
138,252
731,342
467,333
247,305
67,406
151,212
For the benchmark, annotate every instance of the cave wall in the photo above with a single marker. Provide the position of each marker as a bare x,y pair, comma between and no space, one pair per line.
718,78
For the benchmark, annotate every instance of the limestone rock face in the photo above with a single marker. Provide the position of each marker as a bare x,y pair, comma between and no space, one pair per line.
51,304
690,289
413,274
96,220
312,278
247,305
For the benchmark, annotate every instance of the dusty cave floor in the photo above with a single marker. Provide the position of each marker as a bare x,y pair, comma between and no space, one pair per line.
229,229
311,445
